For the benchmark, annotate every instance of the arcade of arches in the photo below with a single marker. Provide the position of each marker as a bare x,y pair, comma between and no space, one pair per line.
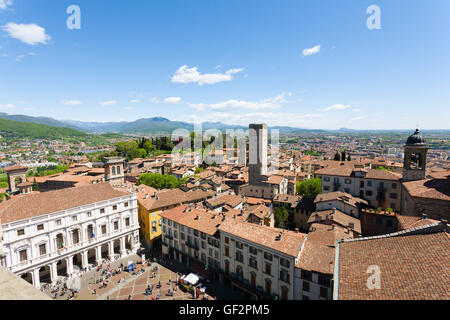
82,260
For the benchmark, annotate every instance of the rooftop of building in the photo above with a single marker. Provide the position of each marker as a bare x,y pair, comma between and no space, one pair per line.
196,218
284,241
23,207
413,265
318,253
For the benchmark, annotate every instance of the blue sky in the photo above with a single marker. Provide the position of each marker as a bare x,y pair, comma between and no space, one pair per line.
229,61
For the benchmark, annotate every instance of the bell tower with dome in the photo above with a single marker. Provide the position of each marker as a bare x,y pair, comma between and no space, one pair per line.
415,159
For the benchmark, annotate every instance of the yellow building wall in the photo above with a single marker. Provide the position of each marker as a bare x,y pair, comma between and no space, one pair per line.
146,218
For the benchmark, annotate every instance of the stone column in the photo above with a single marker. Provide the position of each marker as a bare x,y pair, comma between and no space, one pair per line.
135,244
53,272
98,254
69,265
123,249
36,279
111,249
84,259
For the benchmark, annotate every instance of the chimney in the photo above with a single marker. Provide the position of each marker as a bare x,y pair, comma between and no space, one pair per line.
196,217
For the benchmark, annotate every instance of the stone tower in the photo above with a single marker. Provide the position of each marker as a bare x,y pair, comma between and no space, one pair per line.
415,159
257,164
16,178
114,171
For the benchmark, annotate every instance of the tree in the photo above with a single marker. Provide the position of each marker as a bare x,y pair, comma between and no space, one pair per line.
309,188
348,158
281,217
35,185
343,156
337,157
158,181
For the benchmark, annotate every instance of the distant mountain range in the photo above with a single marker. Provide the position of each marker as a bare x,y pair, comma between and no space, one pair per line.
20,129
146,126
159,125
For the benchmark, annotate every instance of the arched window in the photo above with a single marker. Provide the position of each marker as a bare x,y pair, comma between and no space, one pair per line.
75,237
90,232
59,241
118,169
113,171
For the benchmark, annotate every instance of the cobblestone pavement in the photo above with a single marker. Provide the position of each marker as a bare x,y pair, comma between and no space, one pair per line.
135,286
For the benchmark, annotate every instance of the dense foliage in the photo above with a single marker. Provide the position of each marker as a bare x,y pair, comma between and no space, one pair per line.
16,129
3,181
159,181
309,188
281,216
47,171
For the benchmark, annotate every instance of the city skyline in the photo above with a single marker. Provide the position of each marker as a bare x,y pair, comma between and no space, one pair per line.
302,65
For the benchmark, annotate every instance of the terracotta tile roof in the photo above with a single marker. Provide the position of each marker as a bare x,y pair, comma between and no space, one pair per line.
12,168
318,252
336,216
438,189
409,222
206,174
274,180
412,267
252,201
144,194
290,243
287,198
178,196
227,199
340,196
383,175
195,218
342,171
28,206
260,210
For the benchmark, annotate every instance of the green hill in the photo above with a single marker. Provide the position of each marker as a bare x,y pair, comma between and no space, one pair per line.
16,129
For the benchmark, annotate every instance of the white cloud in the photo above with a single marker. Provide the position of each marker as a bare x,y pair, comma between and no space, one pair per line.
71,102
5,3
337,107
155,100
128,108
172,100
311,51
356,110
22,56
269,103
357,118
108,103
31,34
7,106
191,75
135,101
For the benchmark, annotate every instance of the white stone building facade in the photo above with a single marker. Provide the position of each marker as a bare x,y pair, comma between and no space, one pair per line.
50,245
